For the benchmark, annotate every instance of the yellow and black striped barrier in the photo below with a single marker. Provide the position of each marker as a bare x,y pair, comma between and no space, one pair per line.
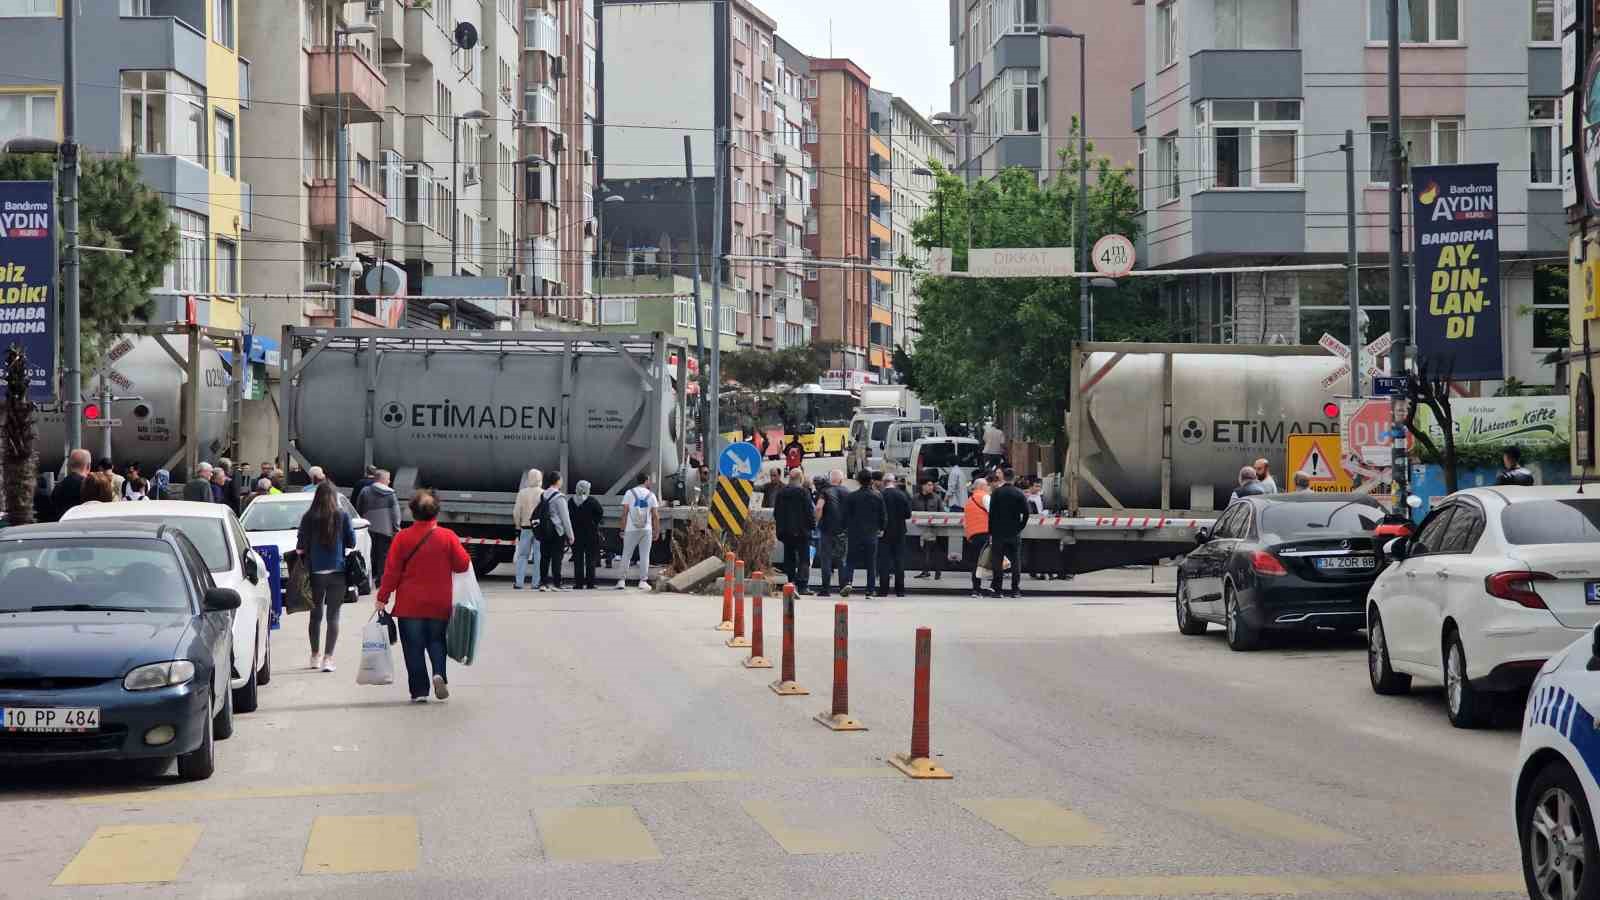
730,505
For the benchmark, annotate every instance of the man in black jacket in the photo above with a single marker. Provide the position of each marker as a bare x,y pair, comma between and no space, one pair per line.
831,542
794,517
865,521
68,490
892,553
1008,515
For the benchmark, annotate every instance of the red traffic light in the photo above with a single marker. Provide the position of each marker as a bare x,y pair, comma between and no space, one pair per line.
1330,409
91,410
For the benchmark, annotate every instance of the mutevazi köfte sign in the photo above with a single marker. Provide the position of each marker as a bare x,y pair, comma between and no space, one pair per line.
28,279
1456,224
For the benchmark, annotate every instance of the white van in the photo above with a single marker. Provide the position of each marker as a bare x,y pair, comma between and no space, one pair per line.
903,437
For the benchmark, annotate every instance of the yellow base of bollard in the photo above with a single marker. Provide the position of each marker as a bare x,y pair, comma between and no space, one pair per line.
725,626
757,662
738,642
839,723
920,767
787,688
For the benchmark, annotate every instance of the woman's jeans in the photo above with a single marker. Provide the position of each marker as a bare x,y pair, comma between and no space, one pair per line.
327,598
421,642
527,555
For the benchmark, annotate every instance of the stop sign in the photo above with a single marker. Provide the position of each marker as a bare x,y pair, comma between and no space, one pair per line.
1366,425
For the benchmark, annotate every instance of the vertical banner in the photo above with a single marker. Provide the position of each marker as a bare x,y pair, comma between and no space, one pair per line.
1456,247
28,280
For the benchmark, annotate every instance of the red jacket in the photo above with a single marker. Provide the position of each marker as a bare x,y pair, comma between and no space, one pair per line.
421,587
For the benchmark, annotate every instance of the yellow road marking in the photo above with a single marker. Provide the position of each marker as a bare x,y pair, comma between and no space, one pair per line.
1289,885
268,793
342,845
705,777
814,834
1038,823
595,834
131,854
1254,819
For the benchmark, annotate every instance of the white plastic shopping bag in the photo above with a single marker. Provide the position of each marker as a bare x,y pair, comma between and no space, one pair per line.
466,618
377,666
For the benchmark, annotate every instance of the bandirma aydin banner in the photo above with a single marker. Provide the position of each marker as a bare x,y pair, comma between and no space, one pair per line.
28,280
1456,246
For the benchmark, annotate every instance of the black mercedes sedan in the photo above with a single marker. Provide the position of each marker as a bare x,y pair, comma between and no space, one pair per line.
114,644
1281,562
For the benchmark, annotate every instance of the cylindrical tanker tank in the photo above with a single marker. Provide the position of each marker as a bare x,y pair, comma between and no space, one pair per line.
1227,411
477,420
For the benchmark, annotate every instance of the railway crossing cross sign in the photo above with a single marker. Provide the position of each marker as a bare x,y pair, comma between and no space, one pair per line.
730,504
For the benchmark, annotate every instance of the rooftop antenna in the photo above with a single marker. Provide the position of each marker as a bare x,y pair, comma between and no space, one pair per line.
830,37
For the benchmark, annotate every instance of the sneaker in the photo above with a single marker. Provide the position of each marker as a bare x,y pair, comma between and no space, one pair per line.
316,661
515,586
900,594
844,590
327,664
923,575
644,585
441,688
975,595
867,596
936,576
622,585
824,594
1013,594
419,699
544,587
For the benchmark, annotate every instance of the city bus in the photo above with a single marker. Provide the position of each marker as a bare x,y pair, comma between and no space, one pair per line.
742,410
826,412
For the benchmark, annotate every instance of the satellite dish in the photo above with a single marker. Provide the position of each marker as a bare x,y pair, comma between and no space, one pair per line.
385,280
466,35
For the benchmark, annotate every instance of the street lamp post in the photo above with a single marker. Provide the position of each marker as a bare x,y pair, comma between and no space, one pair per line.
963,124
600,252
455,185
1063,31
341,178
938,202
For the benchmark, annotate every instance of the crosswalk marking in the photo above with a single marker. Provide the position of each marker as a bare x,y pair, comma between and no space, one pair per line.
800,834
595,834
1038,823
1257,820
1287,885
131,854
342,845
262,793
710,777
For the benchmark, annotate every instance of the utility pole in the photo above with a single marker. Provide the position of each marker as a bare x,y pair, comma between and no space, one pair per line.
694,229
1352,282
714,378
1399,324
1084,325
71,338
341,192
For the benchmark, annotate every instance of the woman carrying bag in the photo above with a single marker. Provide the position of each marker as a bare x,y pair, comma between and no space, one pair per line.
422,561
325,537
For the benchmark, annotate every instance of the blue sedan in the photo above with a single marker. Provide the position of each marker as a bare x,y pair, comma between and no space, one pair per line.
114,644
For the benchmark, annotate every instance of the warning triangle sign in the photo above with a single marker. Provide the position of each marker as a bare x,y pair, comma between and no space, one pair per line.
1317,465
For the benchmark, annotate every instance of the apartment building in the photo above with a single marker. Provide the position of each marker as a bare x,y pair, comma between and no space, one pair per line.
560,102
796,172
1017,92
838,92
161,81
915,143
880,232
1243,116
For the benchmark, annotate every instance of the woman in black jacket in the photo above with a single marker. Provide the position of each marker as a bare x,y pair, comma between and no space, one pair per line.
586,516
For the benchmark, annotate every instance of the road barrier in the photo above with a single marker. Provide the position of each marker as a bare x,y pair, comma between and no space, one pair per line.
838,718
727,594
918,763
786,685
738,640
758,591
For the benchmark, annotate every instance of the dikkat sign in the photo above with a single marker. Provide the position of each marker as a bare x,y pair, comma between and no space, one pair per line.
1456,247
28,280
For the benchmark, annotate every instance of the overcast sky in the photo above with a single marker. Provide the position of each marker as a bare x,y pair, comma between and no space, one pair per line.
903,44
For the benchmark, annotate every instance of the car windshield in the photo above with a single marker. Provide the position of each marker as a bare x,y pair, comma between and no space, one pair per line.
1575,521
276,515
1305,519
945,454
881,428
132,574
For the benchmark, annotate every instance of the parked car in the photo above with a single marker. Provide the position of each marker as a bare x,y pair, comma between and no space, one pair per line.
274,520
1281,562
114,644
215,532
1554,791
864,442
900,444
940,454
1495,581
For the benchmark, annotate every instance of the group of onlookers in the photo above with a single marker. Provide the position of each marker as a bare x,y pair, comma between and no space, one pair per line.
550,522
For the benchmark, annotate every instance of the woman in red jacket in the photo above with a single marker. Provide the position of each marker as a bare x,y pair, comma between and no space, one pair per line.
427,557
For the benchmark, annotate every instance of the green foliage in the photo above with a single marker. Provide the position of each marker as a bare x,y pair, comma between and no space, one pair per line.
116,210
1487,455
764,370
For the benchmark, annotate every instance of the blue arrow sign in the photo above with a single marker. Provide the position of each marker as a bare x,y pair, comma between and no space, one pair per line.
741,460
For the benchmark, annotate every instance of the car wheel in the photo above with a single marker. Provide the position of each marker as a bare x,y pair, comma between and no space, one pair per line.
198,764
485,559
222,726
265,675
1385,680
1187,623
1558,840
1467,706
245,699
1241,636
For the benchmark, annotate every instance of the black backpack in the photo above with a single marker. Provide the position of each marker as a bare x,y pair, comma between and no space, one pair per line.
544,528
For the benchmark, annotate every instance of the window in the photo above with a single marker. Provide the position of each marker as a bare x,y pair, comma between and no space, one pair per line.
418,193
1168,159
136,8
1421,21
394,177
189,272
1543,134
163,113
1258,24
227,267
1551,325
811,89
1144,151
442,108
1016,17
763,49
363,173
1167,33
224,150
27,115
1018,106
1427,142
1324,305
17,8
222,22
1255,143
1544,21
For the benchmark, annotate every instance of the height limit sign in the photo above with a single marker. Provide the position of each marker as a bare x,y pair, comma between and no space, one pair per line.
1113,256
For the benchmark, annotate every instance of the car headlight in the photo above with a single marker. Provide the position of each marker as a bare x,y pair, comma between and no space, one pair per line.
159,675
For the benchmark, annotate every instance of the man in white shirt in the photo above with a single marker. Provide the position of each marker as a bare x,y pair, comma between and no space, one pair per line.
641,519
1264,475
994,446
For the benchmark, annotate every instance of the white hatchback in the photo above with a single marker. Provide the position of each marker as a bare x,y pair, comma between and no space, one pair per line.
1554,791
1495,581
275,520
215,532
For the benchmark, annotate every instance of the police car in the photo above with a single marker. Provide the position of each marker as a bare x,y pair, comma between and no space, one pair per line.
1555,791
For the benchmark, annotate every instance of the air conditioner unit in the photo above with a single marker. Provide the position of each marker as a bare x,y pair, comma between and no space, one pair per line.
559,144
522,283
469,176
558,68
374,8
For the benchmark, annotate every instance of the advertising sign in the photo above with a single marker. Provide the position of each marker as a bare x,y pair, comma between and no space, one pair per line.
1457,253
1588,116
1496,421
28,280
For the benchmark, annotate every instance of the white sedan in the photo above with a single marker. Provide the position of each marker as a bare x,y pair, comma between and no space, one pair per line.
1554,792
215,532
1495,582
275,520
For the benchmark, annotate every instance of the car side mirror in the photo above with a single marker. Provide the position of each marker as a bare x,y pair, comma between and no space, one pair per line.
1203,536
251,572
1594,652
221,600
1396,549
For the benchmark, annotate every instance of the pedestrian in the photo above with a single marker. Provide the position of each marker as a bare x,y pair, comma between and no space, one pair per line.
769,491
325,536
891,553
1512,471
1008,515
956,488
97,489
198,488
379,505
42,510
428,557
975,528
263,488
69,490
104,466
865,521
994,446
129,475
1249,486
793,518
223,491
704,487
586,514
161,485
1264,476
526,556
1034,490
1302,482
641,521
794,455
927,499
554,532
368,476
133,488
832,542
317,476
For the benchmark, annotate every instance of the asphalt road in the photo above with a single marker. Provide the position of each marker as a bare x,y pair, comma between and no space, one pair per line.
609,745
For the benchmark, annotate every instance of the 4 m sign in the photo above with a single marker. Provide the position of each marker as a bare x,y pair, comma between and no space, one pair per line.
1113,256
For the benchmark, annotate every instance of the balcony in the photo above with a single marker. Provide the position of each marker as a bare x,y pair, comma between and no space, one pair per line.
369,214
363,86
540,33
540,107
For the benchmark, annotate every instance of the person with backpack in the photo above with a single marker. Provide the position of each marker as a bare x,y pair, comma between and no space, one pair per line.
427,557
526,555
641,519
553,528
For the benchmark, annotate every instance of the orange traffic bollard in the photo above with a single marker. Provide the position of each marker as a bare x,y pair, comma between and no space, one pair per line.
738,640
918,763
757,658
727,603
786,684
838,717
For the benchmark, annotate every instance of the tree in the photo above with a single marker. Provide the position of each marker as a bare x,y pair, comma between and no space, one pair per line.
17,435
1431,387
764,370
116,210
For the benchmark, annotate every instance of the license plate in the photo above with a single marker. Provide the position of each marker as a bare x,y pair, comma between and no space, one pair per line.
50,718
1344,562
1591,592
